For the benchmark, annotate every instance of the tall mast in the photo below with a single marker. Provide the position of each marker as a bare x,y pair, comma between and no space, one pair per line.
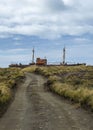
33,54
64,55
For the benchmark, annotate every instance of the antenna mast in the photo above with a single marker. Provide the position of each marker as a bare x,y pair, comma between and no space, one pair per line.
33,54
64,55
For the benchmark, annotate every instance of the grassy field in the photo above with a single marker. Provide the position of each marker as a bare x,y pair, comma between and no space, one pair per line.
8,79
72,82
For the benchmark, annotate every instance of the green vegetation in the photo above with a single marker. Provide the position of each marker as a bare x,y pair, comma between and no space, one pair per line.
8,79
72,82
29,69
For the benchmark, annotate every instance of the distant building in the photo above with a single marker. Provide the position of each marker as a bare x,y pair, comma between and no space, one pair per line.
41,61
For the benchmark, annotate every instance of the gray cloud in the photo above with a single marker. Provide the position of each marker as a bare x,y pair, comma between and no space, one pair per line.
46,18
55,5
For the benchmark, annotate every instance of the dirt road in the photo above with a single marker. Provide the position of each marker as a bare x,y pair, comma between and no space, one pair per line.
34,108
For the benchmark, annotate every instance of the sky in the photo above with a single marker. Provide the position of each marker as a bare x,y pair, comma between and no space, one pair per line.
48,26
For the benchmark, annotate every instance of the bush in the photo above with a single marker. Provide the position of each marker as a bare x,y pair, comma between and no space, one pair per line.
72,82
8,79
5,94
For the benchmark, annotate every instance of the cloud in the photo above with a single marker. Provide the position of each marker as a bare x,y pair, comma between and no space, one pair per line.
14,51
54,5
14,59
17,55
46,18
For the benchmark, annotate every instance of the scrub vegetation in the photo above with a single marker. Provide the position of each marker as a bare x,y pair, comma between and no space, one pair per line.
8,80
72,82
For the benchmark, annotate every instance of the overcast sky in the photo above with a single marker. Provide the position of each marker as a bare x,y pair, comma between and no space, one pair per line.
48,26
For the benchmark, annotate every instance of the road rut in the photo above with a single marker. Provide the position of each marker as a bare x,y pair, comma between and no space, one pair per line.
35,108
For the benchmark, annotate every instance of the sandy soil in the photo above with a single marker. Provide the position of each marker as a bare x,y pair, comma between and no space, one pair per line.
35,108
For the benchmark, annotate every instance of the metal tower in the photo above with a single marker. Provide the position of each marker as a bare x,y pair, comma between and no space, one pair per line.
64,55
33,55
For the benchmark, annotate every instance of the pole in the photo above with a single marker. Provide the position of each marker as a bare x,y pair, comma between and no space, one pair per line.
33,52
64,51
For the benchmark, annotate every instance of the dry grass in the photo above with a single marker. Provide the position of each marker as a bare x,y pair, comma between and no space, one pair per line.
8,79
29,69
5,94
72,82
83,96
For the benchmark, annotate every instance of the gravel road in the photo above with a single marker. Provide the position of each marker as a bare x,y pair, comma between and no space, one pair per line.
34,108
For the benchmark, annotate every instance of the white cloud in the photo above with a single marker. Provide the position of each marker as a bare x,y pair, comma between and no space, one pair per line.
46,18
14,51
14,59
18,55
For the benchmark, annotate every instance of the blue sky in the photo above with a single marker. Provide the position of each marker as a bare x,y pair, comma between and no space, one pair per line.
48,26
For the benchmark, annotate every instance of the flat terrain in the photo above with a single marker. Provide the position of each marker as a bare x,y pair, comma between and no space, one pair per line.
35,108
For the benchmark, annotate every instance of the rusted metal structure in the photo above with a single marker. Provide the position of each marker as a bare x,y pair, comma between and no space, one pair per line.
21,65
14,65
40,61
43,62
18,65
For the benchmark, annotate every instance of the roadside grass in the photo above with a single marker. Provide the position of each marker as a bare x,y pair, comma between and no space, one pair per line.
72,82
29,69
8,79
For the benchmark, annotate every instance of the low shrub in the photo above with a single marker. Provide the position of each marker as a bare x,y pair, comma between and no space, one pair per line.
8,79
5,94
72,82
29,69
